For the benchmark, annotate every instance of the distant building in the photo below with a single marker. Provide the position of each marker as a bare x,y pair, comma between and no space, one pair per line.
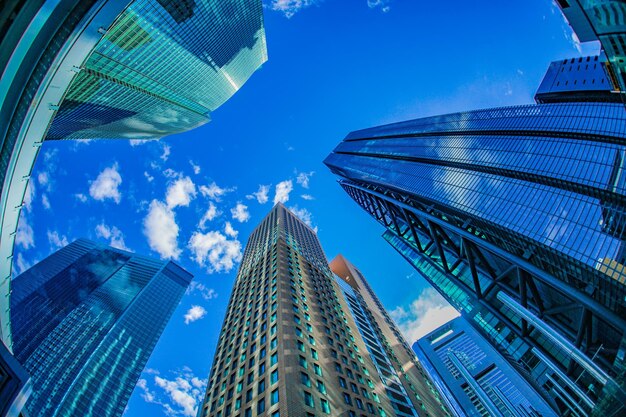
517,216
111,69
588,78
298,341
481,382
86,320
406,383
604,21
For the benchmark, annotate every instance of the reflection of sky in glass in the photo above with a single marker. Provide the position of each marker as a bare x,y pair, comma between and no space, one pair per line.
485,163
81,327
169,66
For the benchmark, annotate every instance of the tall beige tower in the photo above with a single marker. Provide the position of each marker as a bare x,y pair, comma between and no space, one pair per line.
289,344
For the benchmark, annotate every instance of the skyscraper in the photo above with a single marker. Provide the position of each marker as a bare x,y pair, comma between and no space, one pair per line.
86,320
111,69
517,216
475,376
290,345
604,21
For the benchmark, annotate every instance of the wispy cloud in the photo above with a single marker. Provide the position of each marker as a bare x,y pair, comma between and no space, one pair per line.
166,152
196,168
303,178
206,292
25,236
304,215
56,240
290,7
282,191
383,5
307,197
215,251
240,212
425,314
261,195
161,229
179,394
214,191
211,213
195,313
113,235
106,185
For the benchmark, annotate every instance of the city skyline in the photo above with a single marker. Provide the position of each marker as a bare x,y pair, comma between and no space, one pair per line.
101,180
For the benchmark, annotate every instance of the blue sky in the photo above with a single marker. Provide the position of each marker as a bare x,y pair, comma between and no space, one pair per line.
334,66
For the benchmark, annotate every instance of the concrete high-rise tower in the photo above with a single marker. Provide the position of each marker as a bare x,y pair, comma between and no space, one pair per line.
86,320
290,344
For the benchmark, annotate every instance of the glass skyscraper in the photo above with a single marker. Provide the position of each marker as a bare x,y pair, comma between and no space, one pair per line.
85,321
517,216
475,376
111,69
297,343
604,21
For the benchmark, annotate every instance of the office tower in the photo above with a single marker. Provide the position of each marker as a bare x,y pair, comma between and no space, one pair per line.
604,21
111,69
588,78
406,384
516,215
85,322
475,376
289,345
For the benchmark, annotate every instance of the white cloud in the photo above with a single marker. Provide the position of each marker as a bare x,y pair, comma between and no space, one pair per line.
215,251
196,168
43,178
166,152
148,176
210,214
283,189
240,212
229,230
81,197
138,142
382,4
206,292
195,313
179,396
106,185
113,235
57,241
290,7
214,191
303,178
45,202
21,264
29,196
261,195
25,237
160,227
307,197
304,215
425,314
180,193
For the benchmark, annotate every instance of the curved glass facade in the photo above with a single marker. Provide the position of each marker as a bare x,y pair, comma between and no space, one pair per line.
85,321
527,201
161,68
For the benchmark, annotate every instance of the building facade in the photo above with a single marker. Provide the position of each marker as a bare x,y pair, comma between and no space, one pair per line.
517,216
86,320
289,344
111,69
604,21
407,385
479,380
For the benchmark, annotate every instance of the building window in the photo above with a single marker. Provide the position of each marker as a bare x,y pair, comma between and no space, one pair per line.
346,398
274,397
308,399
302,361
304,378
325,406
274,377
321,387
260,406
261,387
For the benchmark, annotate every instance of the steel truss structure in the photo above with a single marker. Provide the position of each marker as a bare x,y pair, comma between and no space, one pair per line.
560,320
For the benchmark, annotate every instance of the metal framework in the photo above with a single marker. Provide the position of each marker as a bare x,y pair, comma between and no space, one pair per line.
532,303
